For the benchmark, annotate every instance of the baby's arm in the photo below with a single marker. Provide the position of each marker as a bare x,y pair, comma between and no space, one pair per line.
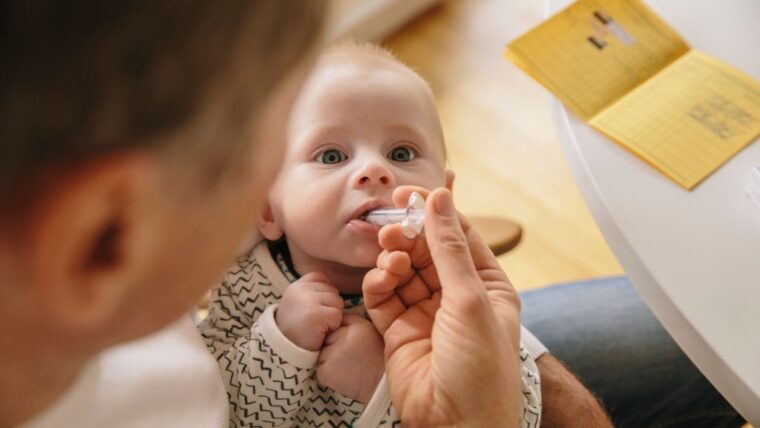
267,375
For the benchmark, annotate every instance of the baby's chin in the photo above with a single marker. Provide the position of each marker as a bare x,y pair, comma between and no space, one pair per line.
363,256
354,255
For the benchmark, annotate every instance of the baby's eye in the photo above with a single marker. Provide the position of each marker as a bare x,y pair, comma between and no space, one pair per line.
331,157
402,154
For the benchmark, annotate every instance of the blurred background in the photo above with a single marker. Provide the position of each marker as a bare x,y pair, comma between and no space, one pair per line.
498,126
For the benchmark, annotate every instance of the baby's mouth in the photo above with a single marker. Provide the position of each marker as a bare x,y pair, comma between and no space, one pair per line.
365,209
363,216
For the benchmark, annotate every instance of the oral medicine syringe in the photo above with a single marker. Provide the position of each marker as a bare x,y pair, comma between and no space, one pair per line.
412,218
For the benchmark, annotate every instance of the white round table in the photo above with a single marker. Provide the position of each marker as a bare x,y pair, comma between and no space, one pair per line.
693,256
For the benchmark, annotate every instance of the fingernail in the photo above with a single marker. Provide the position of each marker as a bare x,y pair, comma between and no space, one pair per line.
444,205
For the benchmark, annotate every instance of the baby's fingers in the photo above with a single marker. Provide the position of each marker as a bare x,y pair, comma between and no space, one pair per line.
330,299
332,317
332,338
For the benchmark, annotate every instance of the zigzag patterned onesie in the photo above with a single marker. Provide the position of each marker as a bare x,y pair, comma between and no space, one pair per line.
270,380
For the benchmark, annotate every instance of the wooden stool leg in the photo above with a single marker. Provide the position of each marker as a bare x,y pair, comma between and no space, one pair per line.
500,234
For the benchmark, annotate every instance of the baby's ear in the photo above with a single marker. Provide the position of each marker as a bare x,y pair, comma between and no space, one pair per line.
450,180
267,226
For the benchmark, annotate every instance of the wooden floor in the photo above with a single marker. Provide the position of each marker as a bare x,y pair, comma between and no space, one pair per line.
501,139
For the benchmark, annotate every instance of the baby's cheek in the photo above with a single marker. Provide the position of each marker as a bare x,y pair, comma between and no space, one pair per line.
308,226
427,176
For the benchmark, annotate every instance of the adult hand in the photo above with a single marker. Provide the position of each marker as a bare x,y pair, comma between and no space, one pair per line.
450,319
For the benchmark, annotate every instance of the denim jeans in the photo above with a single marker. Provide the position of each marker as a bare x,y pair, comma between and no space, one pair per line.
605,334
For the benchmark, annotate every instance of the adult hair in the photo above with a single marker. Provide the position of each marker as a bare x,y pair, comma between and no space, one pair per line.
81,79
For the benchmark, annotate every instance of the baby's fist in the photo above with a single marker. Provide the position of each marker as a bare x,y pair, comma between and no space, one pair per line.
352,360
309,309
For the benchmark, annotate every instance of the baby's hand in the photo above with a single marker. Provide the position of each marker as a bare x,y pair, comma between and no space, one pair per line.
352,360
309,309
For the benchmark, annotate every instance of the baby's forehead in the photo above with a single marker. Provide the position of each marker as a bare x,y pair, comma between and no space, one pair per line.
343,84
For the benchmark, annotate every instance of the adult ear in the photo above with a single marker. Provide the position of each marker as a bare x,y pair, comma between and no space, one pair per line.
450,179
89,237
267,225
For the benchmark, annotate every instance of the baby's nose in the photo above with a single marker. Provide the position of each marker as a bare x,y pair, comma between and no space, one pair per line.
374,174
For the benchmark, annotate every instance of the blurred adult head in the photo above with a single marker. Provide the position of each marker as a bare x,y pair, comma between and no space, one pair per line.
136,140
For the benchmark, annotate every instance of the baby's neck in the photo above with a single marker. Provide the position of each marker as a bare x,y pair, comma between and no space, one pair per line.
347,279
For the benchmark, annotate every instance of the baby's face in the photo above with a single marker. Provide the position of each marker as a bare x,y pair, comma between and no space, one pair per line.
357,132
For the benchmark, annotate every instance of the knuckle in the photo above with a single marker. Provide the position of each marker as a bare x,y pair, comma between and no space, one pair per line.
295,291
336,302
473,304
311,313
336,315
451,240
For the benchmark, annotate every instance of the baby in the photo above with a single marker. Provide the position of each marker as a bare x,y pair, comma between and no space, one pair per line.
287,324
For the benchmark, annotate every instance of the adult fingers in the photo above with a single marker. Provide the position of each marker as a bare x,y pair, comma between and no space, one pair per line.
411,334
380,299
392,238
467,269
400,196
449,248
395,262
414,291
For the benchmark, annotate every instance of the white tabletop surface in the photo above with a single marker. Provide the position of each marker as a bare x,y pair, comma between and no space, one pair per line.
693,256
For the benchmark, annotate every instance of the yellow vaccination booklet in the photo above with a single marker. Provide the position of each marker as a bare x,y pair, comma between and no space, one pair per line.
623,70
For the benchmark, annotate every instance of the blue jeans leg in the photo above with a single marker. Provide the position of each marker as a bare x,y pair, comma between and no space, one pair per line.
605,334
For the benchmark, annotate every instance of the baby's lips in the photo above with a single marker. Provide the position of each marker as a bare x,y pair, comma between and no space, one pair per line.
361,211
411,218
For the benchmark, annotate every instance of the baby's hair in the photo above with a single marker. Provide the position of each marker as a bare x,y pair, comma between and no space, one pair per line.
366,53
360,50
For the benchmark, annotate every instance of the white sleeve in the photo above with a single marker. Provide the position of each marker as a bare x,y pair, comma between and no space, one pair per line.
377,408
530,380
531,343
267,376
289,351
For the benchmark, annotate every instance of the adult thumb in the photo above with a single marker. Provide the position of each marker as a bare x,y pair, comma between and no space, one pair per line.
448,245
